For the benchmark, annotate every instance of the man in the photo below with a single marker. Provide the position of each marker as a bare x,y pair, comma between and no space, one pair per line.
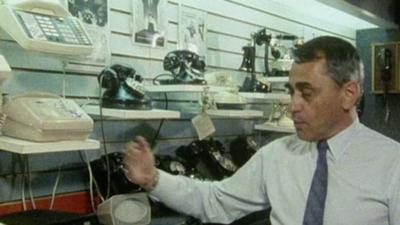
334,171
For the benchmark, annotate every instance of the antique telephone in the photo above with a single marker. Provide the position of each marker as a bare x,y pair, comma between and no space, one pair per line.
209,158
123,88
385,64
283,56
242,149
186,67
176,165
280,116
253,84
118,183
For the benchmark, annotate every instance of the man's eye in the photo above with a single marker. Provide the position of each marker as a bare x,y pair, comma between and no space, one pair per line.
306,95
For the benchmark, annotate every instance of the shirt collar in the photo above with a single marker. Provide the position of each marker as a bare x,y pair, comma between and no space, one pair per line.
339,143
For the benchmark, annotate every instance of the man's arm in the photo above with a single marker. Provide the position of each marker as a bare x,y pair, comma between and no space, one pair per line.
222,202
217,202
394,198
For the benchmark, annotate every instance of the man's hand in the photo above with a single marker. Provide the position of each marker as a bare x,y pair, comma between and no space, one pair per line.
139,163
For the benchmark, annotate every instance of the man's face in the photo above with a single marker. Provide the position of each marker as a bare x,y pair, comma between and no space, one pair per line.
316,101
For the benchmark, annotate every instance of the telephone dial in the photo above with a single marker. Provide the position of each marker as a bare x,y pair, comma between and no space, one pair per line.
209,158
176,166
186,67
124,89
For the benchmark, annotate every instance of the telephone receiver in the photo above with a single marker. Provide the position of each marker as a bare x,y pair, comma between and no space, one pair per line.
384,57
186,66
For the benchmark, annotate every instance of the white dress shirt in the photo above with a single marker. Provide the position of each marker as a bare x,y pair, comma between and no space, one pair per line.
363,183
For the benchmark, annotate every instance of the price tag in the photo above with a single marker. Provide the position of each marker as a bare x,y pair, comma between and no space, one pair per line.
203,125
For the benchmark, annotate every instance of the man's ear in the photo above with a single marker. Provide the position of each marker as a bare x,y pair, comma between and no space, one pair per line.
351,92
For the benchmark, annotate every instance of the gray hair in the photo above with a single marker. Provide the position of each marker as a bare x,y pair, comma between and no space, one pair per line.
342,59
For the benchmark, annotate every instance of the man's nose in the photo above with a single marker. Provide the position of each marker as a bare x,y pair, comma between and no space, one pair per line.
295,104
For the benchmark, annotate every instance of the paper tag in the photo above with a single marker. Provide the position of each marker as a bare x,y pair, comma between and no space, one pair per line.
203,125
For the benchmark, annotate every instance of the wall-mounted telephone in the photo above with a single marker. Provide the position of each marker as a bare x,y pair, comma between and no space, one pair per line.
385,63
45,25
124,89
185,66
45,117
385,68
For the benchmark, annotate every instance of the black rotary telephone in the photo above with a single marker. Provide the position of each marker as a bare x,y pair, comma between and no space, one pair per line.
123,88
185,66
175,165
117,183
209,158
242,149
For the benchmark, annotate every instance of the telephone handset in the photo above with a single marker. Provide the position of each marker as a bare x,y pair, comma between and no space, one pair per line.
45,25
185,66
385,63
40,116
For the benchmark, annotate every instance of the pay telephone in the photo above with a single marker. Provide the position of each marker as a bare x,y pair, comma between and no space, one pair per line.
45,25
44,117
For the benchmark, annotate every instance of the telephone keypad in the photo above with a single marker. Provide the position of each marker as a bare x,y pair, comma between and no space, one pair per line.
52,28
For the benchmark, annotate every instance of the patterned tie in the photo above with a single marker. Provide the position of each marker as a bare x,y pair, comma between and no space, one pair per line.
314,213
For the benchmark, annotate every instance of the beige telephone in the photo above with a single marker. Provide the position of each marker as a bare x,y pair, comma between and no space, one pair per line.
45,117
45,25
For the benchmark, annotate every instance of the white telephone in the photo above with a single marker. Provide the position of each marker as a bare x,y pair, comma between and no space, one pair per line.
45,117
45,25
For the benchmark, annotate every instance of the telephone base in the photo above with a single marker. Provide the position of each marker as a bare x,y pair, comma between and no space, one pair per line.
18,130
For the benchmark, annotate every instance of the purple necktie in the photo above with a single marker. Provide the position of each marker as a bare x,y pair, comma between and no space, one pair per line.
314,213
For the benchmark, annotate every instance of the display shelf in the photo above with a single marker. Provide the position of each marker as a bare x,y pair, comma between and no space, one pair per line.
278,79
132,114
235,113
270,127
252,97
28,147
185,88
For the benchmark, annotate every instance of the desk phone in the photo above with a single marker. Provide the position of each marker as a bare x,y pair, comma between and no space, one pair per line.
44,117
45,25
